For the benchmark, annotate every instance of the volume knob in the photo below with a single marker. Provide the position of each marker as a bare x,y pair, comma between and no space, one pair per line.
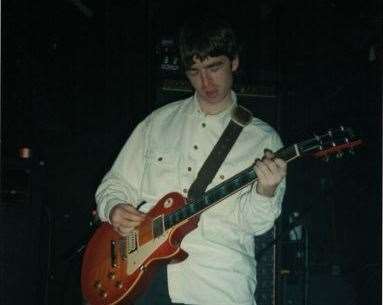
112,275
104,294
97,284
119,285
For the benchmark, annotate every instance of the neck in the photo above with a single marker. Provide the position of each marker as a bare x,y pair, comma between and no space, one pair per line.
215,108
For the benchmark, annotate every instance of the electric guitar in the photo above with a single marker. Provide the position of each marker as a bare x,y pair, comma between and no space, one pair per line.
117,269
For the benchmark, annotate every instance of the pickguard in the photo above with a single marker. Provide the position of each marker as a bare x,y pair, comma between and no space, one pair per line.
137,258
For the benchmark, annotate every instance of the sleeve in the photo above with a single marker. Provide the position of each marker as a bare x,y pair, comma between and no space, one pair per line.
122,183
255,214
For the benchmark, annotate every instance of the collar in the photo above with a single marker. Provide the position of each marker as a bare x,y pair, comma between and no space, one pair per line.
223,117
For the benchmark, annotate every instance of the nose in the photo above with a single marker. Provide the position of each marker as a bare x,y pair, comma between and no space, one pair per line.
205,79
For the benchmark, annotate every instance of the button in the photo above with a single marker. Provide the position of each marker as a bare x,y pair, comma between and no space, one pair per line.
195,147
222,177
160,159
203,125
185,191
189,169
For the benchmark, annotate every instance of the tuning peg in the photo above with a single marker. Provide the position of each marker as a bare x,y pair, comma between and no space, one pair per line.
326,158
339,154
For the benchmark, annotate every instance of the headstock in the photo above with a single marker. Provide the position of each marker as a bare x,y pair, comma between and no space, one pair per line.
333,142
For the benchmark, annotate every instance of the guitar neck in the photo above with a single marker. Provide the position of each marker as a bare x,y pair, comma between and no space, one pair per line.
223,190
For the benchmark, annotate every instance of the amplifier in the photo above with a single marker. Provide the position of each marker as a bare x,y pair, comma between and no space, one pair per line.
266,255
22,235
16,185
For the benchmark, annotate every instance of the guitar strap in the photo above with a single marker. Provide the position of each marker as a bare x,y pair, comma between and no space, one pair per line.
240,117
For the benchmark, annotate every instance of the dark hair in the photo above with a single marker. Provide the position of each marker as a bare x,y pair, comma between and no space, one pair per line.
205,36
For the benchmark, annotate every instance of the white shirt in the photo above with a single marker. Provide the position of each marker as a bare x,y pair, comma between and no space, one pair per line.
164,154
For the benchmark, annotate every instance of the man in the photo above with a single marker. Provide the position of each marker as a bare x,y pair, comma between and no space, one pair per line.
165,153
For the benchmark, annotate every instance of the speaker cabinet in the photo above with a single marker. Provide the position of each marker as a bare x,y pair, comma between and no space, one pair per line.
23,249
266,256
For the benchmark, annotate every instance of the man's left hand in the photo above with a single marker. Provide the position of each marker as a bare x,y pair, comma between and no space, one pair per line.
270,172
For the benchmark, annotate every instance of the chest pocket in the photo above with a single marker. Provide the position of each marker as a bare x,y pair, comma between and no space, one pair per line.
160,174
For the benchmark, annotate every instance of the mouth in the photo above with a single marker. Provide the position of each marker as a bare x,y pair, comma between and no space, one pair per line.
211,93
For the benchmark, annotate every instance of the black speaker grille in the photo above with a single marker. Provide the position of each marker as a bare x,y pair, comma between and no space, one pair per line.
265,252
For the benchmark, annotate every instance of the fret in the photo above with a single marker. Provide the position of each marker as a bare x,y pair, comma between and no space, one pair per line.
205,200
157,227
312,144
184,213
289,153
167,222
191,209
230,187
177,216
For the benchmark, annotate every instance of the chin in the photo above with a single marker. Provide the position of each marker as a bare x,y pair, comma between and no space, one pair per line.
214,99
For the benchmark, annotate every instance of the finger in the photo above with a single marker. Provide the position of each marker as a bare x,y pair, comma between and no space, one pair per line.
271,165
128,224
131,209
123,227
126,218
128,221
280,163
129,213
117,221
261,169
133,217
123,231
268,154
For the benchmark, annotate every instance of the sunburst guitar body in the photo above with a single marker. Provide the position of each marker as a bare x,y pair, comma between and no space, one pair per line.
116,269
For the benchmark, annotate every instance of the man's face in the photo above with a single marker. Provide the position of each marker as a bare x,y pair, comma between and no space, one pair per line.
212,78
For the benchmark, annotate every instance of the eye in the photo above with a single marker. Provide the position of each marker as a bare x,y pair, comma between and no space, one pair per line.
192,73
215,68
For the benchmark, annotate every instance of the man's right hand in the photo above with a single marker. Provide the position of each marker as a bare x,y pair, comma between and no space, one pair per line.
124,218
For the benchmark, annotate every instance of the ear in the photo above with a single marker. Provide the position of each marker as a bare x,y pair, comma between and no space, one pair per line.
235,64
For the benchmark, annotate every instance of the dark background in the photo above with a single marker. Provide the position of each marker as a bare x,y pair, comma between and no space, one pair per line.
77,76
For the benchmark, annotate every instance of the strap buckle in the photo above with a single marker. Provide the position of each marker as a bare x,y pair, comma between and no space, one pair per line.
241,116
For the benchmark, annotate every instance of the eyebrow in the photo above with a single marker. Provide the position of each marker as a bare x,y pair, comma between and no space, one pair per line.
211,65
215,64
